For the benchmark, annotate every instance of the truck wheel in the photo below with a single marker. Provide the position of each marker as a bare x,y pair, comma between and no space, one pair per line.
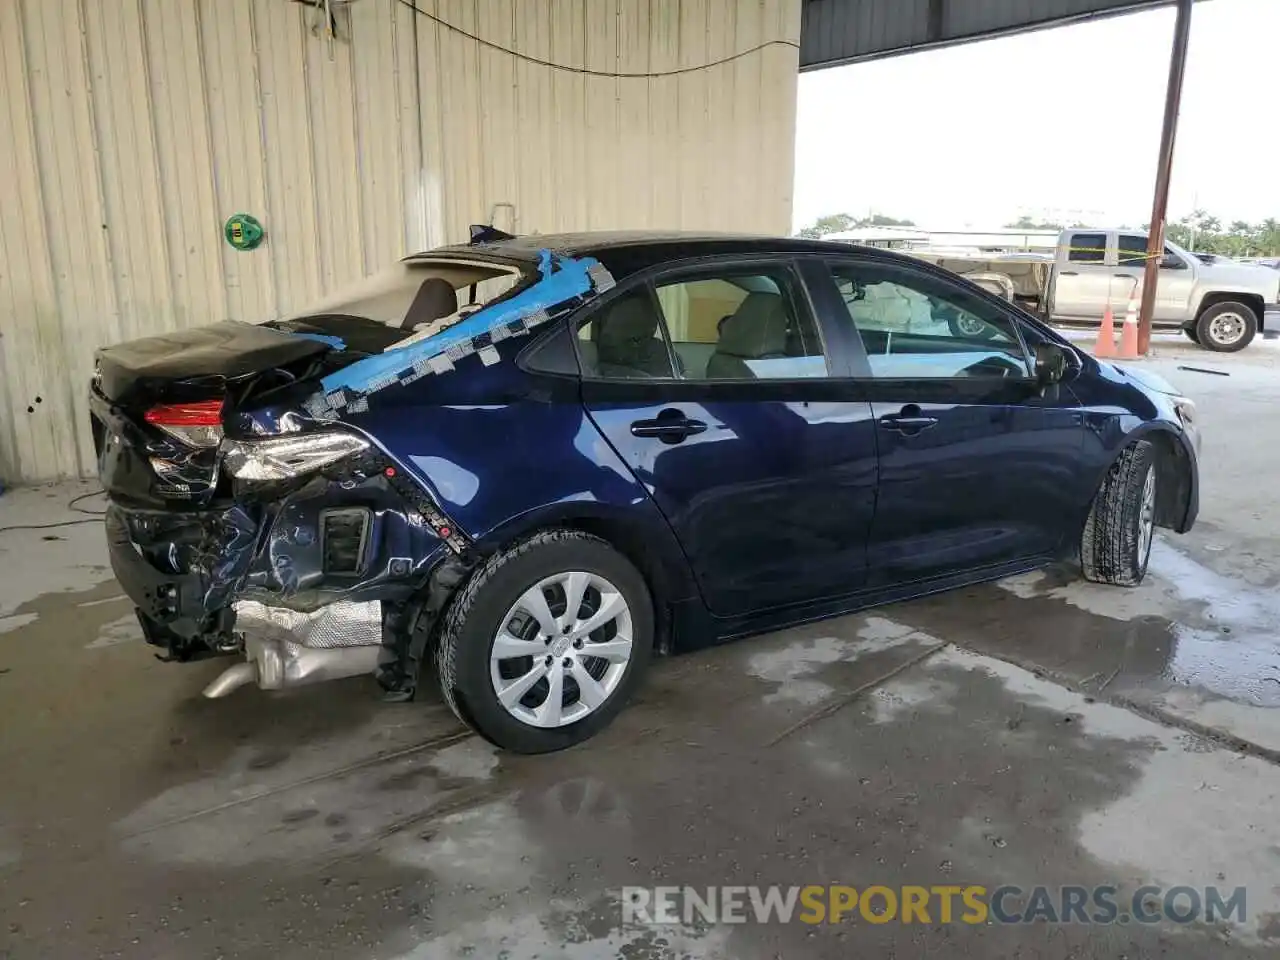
970,328
1116,543
545,643
1226,327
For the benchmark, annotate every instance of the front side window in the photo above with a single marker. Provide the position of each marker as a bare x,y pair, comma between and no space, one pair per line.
1087,247
915,326
1133,251
722,325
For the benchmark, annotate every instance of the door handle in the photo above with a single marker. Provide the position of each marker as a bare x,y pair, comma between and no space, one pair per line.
909,424
1068,273
909,420
669,426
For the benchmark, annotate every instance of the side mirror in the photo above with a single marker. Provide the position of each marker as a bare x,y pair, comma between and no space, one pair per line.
1171,263
1051,363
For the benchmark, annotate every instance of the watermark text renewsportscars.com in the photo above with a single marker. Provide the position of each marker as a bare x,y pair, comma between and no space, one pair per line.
939,903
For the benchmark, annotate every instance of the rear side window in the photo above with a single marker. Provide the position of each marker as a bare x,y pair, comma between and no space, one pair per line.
1087,247
720,325
745,326
1132,250
624,341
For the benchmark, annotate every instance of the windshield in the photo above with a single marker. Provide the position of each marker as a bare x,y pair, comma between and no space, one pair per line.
412,293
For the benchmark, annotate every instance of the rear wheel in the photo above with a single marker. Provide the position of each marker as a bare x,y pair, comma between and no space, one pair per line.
544,645
1116,543
1226,327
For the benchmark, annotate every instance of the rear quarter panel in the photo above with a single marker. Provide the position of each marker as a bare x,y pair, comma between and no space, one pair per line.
505,453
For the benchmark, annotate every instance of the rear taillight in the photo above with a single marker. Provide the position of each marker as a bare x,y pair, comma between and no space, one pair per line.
285,458
195,424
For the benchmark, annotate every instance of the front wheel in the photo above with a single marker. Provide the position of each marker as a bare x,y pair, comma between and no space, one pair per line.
545,643
1226,327
1116,543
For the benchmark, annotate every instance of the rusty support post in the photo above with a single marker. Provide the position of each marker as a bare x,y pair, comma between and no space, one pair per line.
1160,205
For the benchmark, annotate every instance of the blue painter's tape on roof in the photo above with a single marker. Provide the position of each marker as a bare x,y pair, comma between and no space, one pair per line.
563,279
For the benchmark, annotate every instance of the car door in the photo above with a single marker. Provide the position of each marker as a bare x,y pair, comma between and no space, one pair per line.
712,383
979,466
1083,283
1173,286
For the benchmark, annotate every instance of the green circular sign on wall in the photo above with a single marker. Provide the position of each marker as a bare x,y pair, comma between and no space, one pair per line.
243,231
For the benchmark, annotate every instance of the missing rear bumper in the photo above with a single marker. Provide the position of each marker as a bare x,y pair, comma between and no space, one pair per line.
285,648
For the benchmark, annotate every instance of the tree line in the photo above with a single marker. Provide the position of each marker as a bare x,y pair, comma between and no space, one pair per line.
839,222
1196,231
1200,232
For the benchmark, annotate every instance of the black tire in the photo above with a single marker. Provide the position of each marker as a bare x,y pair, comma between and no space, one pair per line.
462,656
1192,334
974,330
1208,333
1111,547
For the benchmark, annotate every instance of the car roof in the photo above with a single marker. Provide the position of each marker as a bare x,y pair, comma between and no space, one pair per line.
628,252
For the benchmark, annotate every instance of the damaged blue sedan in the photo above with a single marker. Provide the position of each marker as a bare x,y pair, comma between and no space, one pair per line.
524,465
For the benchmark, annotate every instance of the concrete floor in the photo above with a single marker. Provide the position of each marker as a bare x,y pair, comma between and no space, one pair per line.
1048,732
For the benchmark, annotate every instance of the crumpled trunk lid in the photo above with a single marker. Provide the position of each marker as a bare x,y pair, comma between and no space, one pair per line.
213,372
197,363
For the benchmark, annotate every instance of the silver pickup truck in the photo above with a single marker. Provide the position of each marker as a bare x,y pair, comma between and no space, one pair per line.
1220,306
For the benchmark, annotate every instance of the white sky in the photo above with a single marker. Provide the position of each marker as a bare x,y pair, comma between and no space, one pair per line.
1056,124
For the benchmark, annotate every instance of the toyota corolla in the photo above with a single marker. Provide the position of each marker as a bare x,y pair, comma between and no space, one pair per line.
524,465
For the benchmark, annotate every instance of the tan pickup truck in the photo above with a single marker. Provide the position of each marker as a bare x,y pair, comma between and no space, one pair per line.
1221,306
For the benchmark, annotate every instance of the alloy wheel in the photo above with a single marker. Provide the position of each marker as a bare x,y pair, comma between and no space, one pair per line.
562,649
1147,516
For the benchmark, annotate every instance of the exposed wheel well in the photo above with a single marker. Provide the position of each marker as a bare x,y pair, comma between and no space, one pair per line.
416,643
632,544
1251,300
1173,480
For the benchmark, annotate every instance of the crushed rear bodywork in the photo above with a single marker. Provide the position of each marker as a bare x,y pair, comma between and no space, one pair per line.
253,511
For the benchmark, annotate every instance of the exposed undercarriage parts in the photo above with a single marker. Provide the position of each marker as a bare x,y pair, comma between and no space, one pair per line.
313,580
285,648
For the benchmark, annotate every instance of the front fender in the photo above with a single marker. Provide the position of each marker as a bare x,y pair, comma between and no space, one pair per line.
1178,502
1121,405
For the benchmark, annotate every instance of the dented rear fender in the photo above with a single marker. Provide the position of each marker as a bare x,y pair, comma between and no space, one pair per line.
358,531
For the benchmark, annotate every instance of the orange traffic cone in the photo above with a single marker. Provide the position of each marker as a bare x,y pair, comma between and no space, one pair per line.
1106,345
1129,332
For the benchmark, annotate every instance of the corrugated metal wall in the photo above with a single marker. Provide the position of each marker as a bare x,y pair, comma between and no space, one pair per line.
131,129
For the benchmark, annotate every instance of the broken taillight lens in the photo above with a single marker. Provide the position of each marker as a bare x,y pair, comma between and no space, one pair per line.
195,424
285,458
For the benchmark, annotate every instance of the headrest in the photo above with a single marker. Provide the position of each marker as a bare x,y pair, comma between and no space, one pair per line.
435,300
757,329
629,321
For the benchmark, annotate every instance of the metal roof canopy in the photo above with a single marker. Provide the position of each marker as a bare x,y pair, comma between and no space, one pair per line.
835,32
